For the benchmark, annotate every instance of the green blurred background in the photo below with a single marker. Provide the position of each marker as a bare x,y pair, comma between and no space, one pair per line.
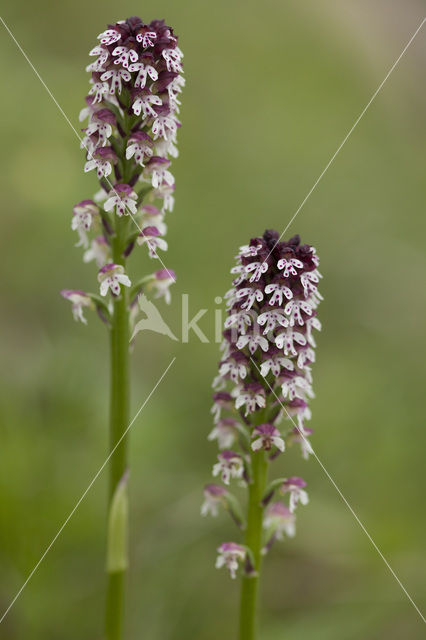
272,89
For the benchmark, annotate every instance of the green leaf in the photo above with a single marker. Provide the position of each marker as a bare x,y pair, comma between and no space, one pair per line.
117,542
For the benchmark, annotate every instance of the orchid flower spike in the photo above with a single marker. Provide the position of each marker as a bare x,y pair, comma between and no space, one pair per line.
265,376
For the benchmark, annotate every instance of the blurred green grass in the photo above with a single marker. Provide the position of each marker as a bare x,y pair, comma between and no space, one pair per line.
272,90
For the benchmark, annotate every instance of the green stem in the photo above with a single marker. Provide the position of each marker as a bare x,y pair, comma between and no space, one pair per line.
119,421
253,540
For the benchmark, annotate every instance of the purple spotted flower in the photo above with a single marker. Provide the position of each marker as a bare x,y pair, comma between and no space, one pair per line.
111,276
264,386
230,465
266,436
123,199
85,216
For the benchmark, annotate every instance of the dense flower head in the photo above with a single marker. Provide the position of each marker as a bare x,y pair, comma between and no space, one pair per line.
265,376
130,138
269,343
136,76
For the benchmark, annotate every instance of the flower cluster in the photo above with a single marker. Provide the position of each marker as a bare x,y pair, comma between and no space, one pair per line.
132,107
265,371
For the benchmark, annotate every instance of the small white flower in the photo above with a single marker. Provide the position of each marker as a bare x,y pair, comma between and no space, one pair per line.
306,356
102,129
213,497
251,395
99,251
153,217
253,341
84,214
143,103
79,300
272,319
164,126
165,192
116,76
309,280
267,436
288,266
98,90
147,39
295,487
224,432
173,58
144,70
240,320
109,36
301,434
247,251
294,309
312,323
124,56
252,295
259,268
230,465
278,290
123,199
166,147
103,167
297,387
279,520
230,554
102,52
236,366
287,339
111,276
159,170
274,364
161,282
139,146
152,238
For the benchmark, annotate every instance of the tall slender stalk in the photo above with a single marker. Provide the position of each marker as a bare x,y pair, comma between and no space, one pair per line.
119,420
253,540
